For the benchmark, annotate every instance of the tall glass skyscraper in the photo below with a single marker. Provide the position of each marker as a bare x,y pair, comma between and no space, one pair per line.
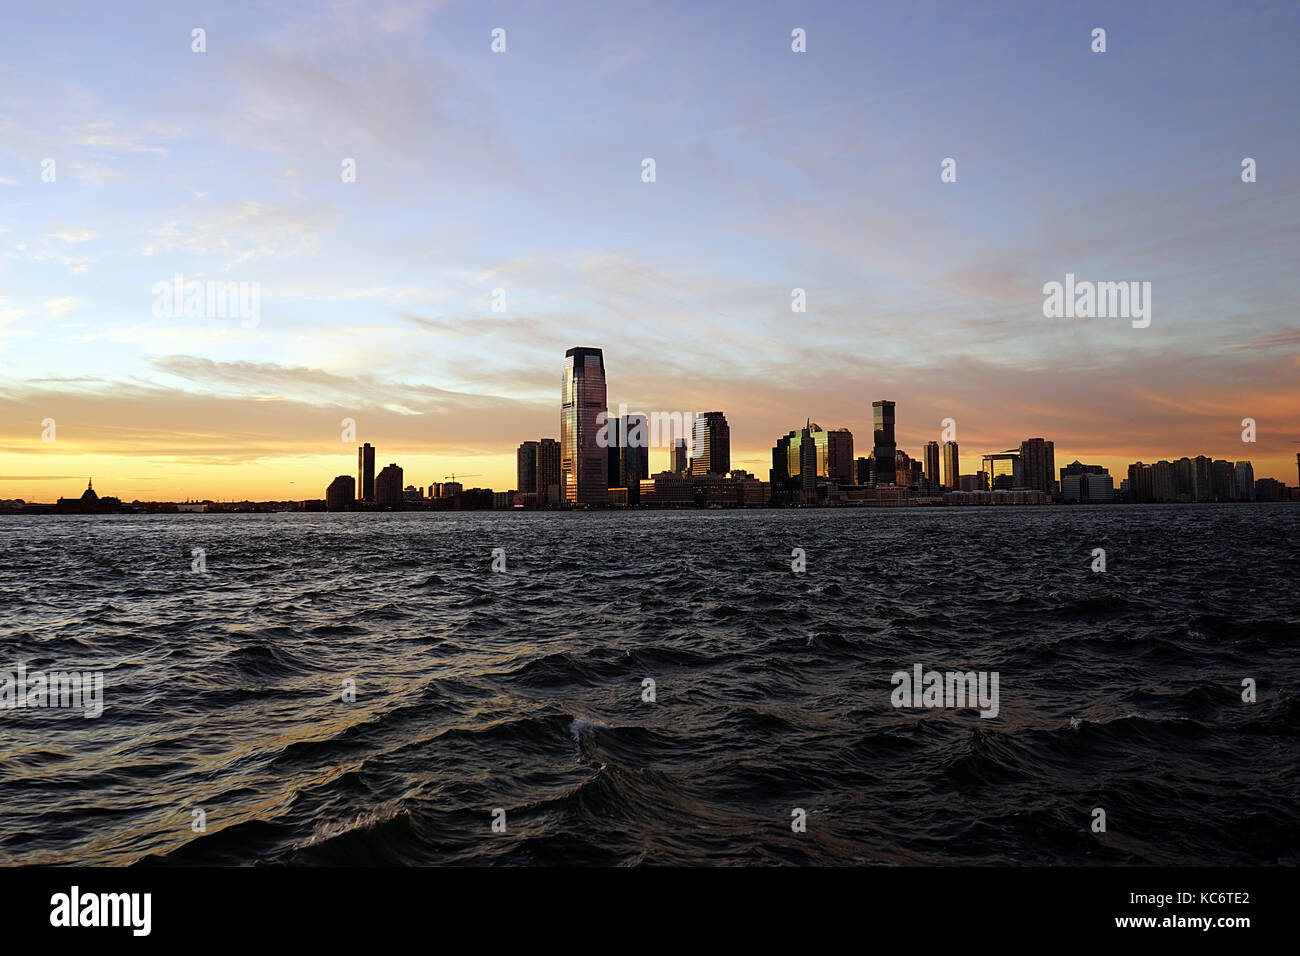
711,454
584,464
882,415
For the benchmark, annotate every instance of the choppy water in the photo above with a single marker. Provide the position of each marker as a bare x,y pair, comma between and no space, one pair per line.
523,690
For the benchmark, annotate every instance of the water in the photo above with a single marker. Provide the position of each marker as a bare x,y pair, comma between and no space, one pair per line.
523,690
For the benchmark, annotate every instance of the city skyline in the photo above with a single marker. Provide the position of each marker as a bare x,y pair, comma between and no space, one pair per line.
491,223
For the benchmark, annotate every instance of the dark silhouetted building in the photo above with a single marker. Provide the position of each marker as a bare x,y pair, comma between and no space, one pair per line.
88,504
1084,484
550,483
366,472
1038,465
584,464
1004,470
679,464
341,493
882,416
388,487
629,454
839,456
932,465
808,464
526,468
1270,489
864,471
1223,480
1244,472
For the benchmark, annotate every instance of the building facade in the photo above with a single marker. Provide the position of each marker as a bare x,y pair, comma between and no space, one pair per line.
584,465
711,444
366,473
388,487
882,418
526,468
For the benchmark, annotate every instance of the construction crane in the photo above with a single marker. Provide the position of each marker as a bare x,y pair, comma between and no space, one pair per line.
473,474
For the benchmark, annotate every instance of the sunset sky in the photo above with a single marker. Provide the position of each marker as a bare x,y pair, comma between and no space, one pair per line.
521,171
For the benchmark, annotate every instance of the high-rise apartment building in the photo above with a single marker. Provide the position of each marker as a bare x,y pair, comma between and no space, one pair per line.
1038,464
584,465
550,484
1244,473
951,466
932,464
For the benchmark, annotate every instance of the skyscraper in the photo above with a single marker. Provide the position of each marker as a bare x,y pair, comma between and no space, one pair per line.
839,456
882,414
628,452
526,468
1038,464
808,465
366,473
388,487
584,465
951,466
549,481
679,464
711,444
1244,472
932,464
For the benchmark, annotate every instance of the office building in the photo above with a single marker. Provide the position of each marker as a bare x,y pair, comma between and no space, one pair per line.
584,465
628,454
366,473
711,445
526,468
839,456
882,416
549,481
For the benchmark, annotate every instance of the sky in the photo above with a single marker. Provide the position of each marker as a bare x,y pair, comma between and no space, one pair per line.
522,171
